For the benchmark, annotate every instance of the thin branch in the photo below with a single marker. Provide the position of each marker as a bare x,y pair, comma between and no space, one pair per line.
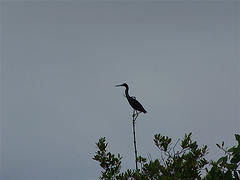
135,115
163,160
175,145
149,157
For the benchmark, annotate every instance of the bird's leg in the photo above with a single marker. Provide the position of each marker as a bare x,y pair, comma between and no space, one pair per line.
133,114
136,114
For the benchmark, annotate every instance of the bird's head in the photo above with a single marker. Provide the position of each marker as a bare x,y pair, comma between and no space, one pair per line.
124,84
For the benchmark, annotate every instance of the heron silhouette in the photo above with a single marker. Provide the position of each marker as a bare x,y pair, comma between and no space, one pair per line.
132,101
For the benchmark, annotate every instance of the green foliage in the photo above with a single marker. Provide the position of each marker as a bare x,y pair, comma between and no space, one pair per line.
108,161
185,163
177,161
226,167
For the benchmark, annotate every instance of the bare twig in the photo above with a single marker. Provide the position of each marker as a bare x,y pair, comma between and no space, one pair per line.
134,116
163,160
175,145
149,157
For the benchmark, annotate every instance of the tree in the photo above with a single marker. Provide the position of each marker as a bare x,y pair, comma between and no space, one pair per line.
180,160
108,161
226,167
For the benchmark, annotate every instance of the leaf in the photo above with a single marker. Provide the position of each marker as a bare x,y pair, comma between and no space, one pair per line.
231,149
235,159
222,160
237,136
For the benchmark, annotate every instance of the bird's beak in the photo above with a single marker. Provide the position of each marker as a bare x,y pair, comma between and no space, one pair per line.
118,85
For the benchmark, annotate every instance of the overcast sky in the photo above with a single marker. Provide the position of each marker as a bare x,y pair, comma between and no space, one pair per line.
60,63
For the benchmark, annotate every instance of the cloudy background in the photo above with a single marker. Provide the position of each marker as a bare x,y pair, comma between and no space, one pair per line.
60,62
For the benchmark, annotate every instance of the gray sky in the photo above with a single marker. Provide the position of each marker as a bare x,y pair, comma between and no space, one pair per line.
61,61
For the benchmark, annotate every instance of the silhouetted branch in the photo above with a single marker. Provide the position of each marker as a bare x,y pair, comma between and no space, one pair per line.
134,116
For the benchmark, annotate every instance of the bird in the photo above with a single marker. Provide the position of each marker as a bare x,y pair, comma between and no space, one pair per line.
132,100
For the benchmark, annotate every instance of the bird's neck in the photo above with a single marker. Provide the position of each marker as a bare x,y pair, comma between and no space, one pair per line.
126,92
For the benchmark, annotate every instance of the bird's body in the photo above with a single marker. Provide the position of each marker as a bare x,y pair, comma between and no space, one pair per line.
132,101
